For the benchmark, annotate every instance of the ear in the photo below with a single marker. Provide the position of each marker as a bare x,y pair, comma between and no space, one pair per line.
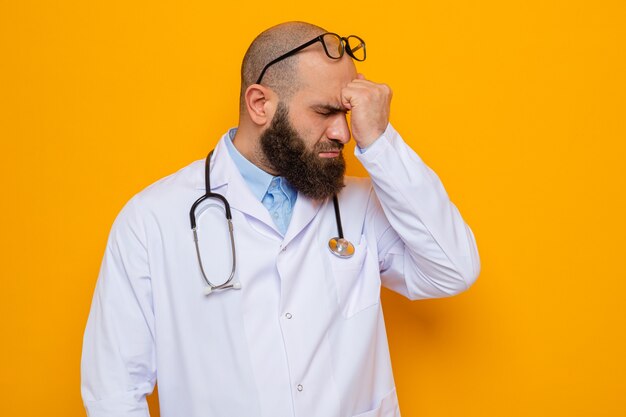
260,104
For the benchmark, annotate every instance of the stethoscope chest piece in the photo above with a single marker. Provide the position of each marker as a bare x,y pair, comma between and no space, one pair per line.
341,247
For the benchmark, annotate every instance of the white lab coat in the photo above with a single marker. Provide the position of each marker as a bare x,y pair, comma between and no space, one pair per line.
305,335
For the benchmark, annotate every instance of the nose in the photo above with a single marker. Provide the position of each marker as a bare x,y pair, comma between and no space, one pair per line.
338,129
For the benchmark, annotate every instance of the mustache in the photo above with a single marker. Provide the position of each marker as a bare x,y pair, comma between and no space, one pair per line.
329,147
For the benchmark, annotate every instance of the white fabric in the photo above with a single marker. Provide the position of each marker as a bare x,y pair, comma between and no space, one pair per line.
305,335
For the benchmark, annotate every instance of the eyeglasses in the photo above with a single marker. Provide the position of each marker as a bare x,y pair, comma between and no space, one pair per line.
334,46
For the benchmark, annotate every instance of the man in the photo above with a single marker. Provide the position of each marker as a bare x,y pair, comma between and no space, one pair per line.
297,330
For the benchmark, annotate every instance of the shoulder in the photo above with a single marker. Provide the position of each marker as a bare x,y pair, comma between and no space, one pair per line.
185,180
172,192
166,197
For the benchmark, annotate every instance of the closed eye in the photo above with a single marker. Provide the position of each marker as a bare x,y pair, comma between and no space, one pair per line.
329,110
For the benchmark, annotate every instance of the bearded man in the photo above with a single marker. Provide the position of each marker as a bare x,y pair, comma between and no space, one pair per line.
249,284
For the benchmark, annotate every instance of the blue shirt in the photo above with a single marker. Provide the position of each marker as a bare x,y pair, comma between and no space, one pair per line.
276,194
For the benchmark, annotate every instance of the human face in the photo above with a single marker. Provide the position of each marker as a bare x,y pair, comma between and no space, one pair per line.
286,152
305,139
316,109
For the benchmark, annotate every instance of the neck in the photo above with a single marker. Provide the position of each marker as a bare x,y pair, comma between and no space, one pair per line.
247,143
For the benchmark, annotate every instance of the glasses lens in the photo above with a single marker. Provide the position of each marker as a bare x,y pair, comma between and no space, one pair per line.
334,47
357,47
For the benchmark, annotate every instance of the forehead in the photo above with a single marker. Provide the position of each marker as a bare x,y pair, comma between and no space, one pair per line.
323,78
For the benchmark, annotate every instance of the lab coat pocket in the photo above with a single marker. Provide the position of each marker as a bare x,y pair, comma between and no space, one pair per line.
357,286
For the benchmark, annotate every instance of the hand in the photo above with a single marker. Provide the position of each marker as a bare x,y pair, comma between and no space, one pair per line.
370,105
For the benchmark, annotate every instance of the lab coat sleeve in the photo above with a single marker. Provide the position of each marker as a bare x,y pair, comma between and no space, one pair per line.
425,248
118,360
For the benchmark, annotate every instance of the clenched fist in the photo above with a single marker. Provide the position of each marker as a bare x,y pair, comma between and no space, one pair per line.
370,104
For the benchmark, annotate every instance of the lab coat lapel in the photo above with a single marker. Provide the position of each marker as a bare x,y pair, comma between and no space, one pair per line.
226,180
304,211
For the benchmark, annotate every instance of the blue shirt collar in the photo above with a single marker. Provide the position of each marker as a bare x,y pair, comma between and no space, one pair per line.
258,180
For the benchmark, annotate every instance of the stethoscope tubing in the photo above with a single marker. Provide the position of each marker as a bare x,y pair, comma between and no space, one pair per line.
338,246
229,218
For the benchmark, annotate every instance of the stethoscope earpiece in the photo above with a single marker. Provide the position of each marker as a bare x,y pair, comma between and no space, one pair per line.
212,288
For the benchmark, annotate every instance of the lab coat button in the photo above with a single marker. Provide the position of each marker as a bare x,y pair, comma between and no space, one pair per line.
300,387
289,316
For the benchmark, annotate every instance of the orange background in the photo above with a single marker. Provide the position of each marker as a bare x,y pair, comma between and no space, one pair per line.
518,105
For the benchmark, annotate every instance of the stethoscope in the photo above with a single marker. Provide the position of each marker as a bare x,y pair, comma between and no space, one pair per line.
338,246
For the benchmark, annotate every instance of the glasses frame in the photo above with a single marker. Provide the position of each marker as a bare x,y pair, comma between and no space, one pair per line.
343,41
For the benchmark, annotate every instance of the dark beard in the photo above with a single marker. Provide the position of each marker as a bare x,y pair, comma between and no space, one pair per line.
286,153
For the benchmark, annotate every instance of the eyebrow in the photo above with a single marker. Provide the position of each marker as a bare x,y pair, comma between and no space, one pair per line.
329,108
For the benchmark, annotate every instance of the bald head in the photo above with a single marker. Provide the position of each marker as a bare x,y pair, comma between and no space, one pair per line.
281,77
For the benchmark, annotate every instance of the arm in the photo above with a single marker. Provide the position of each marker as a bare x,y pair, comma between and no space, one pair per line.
425,248
118,363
